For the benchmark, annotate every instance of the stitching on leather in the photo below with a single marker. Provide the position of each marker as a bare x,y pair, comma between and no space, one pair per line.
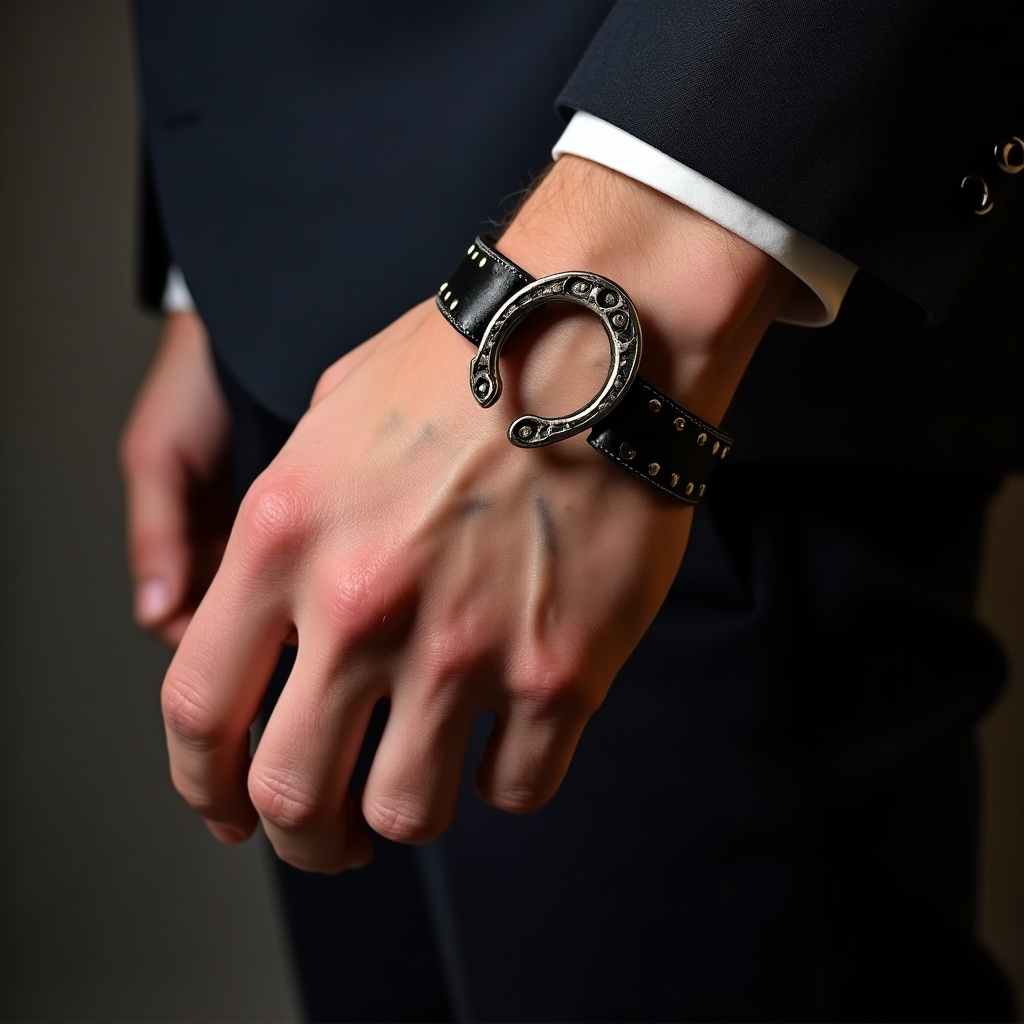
460,327
498,258
646,478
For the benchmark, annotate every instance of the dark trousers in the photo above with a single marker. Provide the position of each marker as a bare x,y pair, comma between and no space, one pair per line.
772,817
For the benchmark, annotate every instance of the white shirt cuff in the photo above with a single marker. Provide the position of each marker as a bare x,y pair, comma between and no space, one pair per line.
826,274
176,297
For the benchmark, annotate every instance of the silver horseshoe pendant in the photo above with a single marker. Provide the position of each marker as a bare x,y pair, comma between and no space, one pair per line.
610,304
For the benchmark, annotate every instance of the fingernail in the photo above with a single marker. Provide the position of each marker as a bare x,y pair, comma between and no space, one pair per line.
151,601
225,833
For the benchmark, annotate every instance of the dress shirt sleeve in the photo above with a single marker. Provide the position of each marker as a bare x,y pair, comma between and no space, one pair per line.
176,298
825,274
867,127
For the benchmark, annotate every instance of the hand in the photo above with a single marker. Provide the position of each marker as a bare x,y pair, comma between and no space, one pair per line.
173,459
417,556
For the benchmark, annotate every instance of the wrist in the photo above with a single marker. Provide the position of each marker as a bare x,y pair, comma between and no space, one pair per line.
632,423
704,295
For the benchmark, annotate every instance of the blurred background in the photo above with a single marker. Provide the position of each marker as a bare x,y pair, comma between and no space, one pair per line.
115,904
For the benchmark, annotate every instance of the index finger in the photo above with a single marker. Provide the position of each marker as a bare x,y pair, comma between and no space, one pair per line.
212,694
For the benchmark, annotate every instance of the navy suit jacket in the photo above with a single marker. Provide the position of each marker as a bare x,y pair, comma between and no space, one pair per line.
317,168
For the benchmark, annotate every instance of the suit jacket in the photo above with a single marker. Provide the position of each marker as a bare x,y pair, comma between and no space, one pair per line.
317,168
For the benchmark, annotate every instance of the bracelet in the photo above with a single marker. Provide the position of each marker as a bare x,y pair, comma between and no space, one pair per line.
632,422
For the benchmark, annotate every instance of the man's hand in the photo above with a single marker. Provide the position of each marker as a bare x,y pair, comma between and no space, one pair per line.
173,458
418,556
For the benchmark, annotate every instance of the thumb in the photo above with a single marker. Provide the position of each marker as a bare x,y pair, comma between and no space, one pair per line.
336,373
343,367
158,544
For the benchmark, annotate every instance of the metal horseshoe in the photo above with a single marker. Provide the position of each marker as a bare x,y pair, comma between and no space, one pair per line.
610,304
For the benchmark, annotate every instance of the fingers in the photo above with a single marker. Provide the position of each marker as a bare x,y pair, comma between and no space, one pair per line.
171,452
159,550
413,786
378,556
525,762
348,363
354,615
299,778
211,696
534,739
298,781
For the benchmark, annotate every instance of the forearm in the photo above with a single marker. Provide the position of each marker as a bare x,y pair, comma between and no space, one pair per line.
704,296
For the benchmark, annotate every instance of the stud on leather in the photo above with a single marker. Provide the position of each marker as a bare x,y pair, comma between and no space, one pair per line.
631,422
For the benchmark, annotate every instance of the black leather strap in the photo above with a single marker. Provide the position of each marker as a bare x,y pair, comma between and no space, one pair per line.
479,286
646,433
661,443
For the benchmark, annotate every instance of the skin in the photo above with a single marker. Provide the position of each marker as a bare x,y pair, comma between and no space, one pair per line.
173,458
415,555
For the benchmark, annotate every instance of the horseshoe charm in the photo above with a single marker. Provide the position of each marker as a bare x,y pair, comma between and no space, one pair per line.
610,304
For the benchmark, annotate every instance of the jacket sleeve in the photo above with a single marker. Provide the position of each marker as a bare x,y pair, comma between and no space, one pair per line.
854,122
154,254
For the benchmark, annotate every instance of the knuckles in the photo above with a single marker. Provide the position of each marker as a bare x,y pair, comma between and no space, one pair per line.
455,653
555,683
279,514
402,820
283,803
187,716
367,598
355,599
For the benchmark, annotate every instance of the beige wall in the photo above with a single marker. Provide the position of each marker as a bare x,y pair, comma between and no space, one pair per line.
114,904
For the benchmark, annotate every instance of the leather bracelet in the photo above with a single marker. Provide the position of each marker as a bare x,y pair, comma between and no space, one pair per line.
632,422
